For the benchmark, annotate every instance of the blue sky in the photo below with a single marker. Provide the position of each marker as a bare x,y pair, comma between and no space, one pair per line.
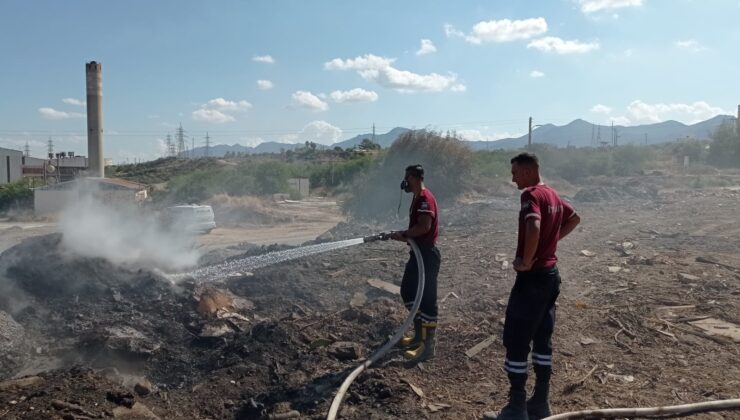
250,71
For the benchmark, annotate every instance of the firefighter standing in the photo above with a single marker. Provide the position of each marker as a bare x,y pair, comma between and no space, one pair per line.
423,229
544,219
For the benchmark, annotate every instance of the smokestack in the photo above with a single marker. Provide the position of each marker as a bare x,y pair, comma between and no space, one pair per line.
94,73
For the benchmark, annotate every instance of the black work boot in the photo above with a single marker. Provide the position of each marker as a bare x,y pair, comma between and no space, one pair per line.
414,340
516,409
538,407
425,350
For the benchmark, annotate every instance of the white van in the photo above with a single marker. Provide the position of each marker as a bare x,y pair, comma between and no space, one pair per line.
191,218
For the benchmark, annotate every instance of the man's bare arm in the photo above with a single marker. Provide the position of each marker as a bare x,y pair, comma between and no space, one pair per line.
531,240
569,225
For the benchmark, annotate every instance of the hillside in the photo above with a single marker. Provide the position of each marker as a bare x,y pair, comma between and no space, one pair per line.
576,133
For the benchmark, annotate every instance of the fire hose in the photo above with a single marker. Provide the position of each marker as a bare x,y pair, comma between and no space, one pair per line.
660,412
334,409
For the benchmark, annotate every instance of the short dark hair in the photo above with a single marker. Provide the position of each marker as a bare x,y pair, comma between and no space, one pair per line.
524,158
415,170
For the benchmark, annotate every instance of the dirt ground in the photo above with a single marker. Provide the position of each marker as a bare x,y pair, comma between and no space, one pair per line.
639,275
303,221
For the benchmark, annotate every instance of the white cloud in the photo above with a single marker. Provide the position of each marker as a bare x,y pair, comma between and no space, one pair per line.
365,62
619,120
459,88
73,101
477,135
264,85
354,95
219,111
379,70
691,45
592,6
427,47
406,81
506,30
263,59
53,114
251,141
601,109
221,104
212,116
320,132
536,74
316,131
551,44
641,112
308,100
451,32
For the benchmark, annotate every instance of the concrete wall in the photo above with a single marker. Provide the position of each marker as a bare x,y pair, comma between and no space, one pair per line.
49,202
300,185
11,164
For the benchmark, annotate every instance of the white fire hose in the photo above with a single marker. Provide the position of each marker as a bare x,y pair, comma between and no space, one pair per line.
393,340
655,412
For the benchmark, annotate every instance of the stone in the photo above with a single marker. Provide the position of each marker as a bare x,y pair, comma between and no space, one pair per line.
137,412
345,350
688,277
143,387
125,339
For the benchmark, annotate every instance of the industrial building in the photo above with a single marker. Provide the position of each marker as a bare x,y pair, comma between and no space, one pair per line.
11,162
60,167
52,199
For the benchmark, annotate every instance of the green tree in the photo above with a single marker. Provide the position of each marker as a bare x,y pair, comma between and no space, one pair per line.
725,148
367,144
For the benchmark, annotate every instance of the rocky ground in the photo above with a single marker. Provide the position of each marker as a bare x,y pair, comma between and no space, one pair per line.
647,316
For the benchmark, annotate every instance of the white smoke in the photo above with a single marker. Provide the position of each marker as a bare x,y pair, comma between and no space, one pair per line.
125,236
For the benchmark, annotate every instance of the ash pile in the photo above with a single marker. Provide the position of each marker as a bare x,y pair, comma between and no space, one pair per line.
84,335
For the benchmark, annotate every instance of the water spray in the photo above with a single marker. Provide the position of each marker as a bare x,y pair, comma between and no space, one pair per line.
239,266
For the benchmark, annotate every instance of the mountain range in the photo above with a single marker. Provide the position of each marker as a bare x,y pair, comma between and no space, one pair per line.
577,133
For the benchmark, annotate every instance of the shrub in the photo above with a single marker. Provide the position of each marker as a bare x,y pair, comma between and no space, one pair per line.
16,195
447,162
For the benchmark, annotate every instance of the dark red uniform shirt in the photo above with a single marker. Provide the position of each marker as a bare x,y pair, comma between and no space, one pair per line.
425,203
544,203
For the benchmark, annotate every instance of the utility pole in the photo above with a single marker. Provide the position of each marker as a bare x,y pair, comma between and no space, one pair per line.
373,139
192,147
614,137
645,139
529,138
27,150
593,131
50,147
208,145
